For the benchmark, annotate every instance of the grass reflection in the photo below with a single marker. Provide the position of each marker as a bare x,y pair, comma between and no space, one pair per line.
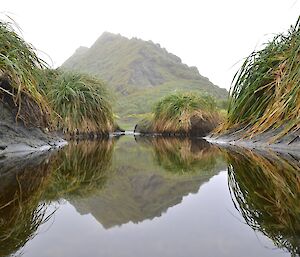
21,208
27,187
266,191
183,155
80,169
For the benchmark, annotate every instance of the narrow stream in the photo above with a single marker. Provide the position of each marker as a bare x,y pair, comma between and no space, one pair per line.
150,197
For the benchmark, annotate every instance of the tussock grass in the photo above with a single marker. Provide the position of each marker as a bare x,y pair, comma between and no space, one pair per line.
175,112
184,113
19,75
266,90
80,169
81,101
266,192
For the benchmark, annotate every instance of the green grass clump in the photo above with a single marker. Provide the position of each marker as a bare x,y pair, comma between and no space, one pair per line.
19,75
265,189
266,90
184,113
81,101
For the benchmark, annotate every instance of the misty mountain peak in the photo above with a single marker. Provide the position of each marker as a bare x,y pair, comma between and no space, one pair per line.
134,63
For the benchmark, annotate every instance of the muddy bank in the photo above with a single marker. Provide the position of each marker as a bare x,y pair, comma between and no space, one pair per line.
16,138
264,141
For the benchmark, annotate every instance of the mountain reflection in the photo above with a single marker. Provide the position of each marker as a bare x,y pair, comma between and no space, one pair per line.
141,187
266,191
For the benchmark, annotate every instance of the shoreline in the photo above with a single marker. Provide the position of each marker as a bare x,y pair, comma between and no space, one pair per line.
260,145
23,149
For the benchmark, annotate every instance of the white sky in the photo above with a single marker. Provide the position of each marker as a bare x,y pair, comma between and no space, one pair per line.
212,35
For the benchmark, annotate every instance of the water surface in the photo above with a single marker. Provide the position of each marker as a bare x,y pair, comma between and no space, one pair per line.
150,197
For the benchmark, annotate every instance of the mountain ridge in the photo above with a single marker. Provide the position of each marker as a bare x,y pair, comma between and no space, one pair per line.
133,66
145,53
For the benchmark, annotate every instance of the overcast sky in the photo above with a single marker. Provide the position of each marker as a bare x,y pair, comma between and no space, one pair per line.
210,34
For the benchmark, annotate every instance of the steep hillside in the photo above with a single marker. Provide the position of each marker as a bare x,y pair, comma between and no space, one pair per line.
131,66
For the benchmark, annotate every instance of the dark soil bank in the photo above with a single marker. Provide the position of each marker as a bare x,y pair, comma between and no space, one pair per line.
15,137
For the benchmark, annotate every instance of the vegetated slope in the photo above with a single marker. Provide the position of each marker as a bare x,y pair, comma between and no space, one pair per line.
140,70
264,104
24,110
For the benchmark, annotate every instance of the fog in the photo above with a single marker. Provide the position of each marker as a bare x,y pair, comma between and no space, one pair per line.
213,35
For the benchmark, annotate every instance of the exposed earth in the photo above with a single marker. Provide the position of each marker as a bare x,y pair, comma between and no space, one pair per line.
15,138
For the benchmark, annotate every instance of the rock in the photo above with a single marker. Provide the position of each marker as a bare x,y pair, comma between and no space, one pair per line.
144,127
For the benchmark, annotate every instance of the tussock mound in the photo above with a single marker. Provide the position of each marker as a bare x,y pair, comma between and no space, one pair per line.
265,95
182,114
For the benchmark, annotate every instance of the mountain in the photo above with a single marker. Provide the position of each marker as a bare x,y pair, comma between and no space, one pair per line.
140,72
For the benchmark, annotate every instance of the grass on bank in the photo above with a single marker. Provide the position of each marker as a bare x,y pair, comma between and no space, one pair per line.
266,90
266,192
47,98
19,75
183,113
81,101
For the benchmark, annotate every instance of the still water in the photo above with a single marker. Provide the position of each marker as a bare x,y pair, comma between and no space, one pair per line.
150,197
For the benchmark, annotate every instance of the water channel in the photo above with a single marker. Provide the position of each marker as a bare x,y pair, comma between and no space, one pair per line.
143,196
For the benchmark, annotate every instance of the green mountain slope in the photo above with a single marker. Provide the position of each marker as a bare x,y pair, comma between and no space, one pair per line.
140,72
